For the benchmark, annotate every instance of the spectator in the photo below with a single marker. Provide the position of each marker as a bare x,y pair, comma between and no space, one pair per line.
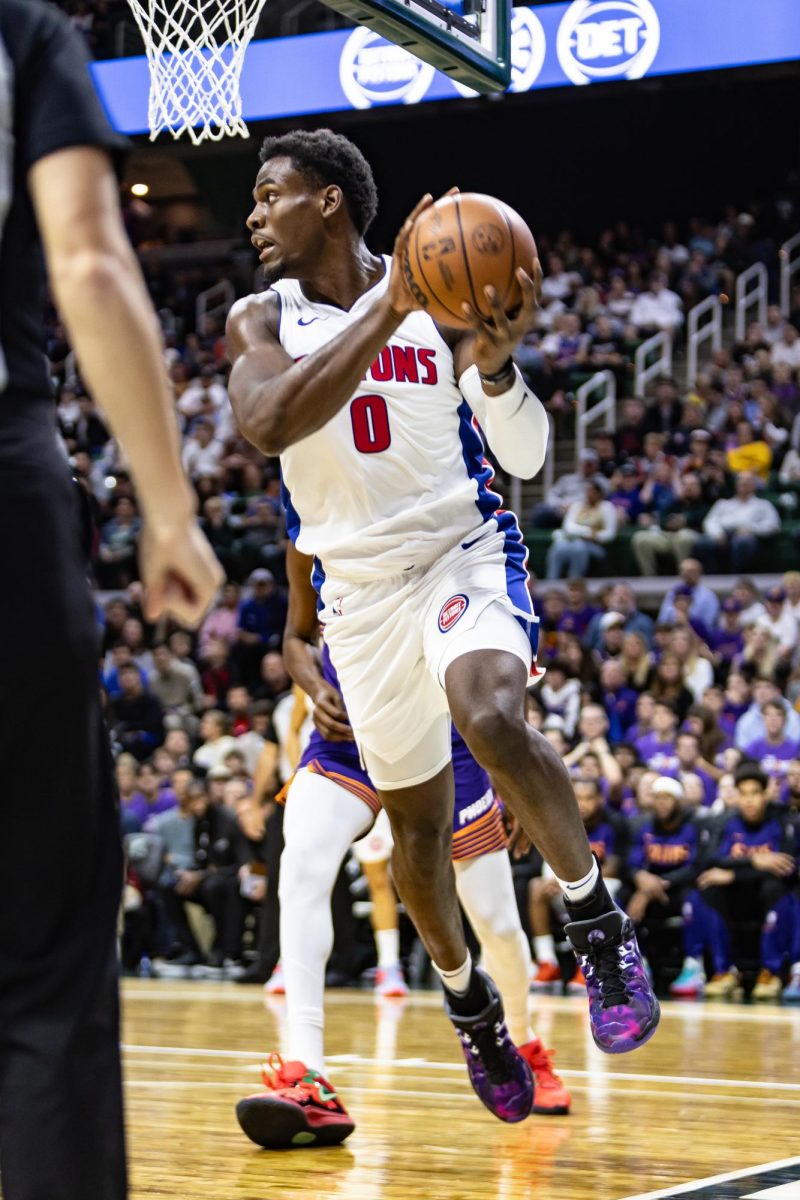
222,623
698,673
657,749
568,490
206,398
658,309
126,768
626,495
790,790
636,660
605,349
746,592
749,453
704,606
791,583
772,331
671,530
775,750
667,683
116,564
175,684
137,719
221,533
734,529
619,700
261,619
217,741
780,621
664,414
750,725
664,863
578,609
202,452
588,527
691,762
561,695
623,601
752,873
150,798
786,350
726,640
629,437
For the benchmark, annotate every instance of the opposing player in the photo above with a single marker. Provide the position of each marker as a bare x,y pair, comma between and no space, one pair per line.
330,803
61,1129
421,574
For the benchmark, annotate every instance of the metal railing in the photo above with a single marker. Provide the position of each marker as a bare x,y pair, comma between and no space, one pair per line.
214,302
748,297
697,335
605,407
661,345
789,268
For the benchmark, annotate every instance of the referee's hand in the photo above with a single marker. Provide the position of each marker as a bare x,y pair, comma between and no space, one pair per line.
179,571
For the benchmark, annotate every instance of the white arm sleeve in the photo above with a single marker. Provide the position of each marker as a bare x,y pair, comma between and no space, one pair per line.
515,423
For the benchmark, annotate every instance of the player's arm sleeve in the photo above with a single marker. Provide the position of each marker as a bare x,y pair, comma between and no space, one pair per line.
56,102
515,423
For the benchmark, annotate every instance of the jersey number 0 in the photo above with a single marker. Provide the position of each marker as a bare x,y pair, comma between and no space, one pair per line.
370,419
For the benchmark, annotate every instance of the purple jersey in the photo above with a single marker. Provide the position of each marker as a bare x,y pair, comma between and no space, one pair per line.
576,622
774,759
657,755
661,852
740,840
477,816
602,839
138,807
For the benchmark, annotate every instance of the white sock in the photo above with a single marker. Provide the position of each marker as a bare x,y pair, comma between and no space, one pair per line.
388,944
485,887
321,821
545,948
579,889
457,981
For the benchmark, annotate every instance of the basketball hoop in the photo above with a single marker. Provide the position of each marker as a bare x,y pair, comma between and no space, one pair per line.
195,52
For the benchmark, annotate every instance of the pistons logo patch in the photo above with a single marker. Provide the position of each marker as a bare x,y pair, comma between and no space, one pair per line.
452,611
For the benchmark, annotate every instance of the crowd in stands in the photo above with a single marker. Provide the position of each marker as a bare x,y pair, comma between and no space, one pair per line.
681,727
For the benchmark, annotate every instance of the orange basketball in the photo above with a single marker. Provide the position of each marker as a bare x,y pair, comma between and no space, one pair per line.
460,244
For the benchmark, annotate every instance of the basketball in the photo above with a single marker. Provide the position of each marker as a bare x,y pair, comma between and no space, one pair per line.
458,246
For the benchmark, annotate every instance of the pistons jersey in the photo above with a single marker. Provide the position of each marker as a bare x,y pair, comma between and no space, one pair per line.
398,475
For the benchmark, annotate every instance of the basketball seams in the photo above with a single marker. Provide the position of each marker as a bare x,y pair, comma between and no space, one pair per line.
465,254
427,281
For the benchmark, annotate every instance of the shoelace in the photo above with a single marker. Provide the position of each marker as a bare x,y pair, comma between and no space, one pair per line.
609,964
488,1043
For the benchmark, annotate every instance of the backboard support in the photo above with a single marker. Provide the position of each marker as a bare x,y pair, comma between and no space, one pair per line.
468,40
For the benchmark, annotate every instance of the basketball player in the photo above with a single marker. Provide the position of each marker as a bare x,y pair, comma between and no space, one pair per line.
330,803
420,573
61,1129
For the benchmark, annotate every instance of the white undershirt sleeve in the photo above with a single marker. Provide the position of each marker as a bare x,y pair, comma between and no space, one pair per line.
515,423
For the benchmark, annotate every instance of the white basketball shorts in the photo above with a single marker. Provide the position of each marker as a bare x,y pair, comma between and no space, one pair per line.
392,640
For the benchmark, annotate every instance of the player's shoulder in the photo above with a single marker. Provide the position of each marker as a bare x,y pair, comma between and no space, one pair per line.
252,317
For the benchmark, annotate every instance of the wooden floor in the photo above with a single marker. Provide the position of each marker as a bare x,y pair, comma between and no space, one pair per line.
718,1089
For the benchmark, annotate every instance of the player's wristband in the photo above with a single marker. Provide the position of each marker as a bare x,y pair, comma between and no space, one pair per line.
498,376
507,403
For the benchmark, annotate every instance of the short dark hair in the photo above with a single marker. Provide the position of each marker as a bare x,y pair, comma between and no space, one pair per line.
325,157
751,771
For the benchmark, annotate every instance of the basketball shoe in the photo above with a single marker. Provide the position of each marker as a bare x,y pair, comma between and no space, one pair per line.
767,986
300,1108
723,984
623,1009
547,978
389,981
550,1098
499,1075
275,985
791,993
691,982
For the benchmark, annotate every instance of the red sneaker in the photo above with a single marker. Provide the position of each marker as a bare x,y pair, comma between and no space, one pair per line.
547,977
299,1109
577,985
550,1098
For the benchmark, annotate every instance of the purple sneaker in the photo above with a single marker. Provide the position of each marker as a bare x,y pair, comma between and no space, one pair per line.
623,1009
499,1074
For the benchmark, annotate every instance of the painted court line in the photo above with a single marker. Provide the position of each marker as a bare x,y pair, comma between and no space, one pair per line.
682,1189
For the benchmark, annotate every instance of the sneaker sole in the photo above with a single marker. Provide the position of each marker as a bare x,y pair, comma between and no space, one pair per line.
555,1110
274,1124
633,1043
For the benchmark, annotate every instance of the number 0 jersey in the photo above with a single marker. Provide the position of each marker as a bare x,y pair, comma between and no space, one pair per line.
398,475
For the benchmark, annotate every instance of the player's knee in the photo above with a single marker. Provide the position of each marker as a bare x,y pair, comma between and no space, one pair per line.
423,844
303,875
495,737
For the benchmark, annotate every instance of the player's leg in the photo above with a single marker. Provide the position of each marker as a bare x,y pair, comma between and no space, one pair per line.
486,890
724,979
777,907
421,815
485,670
321,820
373,853
541,891
691,981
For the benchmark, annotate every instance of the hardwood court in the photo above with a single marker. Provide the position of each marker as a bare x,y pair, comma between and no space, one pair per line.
718,1089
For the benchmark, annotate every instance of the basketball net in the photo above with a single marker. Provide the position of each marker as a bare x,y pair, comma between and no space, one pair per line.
195,52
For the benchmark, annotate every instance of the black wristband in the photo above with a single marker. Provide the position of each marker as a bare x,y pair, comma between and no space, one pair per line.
498,376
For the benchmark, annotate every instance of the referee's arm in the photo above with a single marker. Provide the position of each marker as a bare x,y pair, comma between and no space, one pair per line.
101,295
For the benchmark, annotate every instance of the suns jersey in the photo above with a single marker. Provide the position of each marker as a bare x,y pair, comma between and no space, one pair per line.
398,475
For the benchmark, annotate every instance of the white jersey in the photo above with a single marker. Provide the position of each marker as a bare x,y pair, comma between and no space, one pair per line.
398,475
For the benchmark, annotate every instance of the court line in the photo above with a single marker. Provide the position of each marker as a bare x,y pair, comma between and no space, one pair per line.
357,1060
682,1189
670,1009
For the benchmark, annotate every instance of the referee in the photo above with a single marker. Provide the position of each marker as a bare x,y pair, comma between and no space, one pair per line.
61,1128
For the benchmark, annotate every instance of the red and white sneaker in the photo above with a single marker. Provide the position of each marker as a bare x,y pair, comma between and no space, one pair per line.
550,1097
275,985
299,1108
547,977
389,981
577,985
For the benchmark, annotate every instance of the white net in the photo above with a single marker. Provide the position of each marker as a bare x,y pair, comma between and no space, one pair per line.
195,51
